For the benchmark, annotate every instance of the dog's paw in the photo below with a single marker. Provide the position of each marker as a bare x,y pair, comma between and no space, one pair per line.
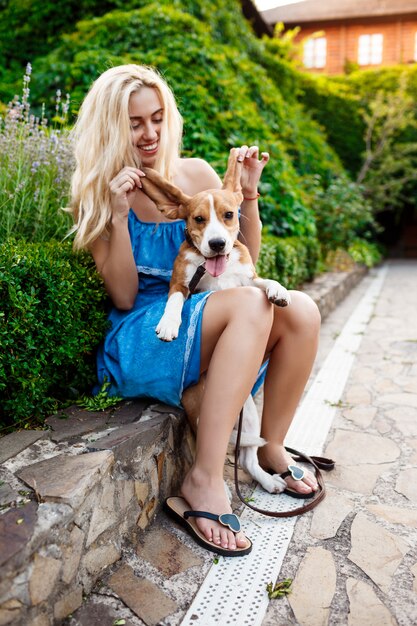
273,483
167,331
277,294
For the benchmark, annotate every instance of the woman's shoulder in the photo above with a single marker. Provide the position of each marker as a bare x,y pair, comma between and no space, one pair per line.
196,175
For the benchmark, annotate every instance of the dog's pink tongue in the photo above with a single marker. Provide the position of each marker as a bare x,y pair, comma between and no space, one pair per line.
216,265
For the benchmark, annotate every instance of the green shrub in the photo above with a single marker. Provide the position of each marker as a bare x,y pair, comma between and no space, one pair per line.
342,214
291,261
365,252
51,320
337,109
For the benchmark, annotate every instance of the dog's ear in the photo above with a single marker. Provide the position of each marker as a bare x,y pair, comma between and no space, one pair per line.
231,180
169,199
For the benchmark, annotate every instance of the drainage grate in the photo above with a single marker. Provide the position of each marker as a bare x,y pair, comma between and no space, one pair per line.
234,591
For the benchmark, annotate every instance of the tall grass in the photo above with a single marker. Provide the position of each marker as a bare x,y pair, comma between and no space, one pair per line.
36,162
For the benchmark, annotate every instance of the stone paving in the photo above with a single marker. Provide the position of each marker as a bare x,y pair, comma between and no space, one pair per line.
83,541
354,558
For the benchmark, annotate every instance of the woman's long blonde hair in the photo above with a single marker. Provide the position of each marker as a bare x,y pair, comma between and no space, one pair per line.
103,145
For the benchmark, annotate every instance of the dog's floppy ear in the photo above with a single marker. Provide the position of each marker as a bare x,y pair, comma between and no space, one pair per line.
169,199
231,180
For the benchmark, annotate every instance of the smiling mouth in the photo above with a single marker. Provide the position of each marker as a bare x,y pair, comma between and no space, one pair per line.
149,147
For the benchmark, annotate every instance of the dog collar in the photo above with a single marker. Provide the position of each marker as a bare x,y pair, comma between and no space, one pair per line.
198,275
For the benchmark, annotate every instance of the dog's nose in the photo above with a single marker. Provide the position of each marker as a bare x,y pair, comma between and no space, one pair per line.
217,245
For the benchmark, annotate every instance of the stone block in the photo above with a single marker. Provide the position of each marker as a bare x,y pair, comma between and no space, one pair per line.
127,412
125,441
147,513
16,529
95,613
141,492
330,514
8,495
67,479
395,514
165,552
105,514
10,611
72,554
407,483
42,580
311,602
74,422
40,620
143,597
358,448
97,559
365,607
125,492
68,603
12,444
376,551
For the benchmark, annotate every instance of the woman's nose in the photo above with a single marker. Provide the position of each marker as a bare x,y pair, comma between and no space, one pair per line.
149,132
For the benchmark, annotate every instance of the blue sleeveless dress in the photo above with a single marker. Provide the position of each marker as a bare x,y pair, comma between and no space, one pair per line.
132,358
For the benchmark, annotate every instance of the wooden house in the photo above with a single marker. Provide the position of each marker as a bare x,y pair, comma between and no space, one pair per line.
336,34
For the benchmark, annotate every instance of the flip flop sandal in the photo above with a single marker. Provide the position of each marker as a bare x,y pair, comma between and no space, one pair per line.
179,509
317,462
297,473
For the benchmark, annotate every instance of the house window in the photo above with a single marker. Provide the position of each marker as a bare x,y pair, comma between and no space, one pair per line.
315,52
370,49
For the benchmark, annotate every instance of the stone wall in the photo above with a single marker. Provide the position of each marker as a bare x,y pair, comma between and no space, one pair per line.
72,495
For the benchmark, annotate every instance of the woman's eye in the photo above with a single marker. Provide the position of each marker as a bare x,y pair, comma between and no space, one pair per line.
158,121
228,215
199,219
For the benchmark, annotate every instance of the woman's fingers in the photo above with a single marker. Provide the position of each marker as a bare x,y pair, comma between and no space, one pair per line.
252,152
126,180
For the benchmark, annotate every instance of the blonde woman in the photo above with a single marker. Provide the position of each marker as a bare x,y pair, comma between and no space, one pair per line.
129,120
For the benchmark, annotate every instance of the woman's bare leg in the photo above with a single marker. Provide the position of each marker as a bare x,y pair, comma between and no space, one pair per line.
292,349
236,327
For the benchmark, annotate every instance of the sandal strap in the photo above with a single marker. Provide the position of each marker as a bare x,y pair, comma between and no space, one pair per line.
297,473
230,520
316,462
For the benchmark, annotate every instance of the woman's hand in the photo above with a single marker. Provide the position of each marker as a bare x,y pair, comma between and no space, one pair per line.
252,169
123,188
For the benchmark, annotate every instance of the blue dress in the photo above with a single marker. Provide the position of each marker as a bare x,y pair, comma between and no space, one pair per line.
132,358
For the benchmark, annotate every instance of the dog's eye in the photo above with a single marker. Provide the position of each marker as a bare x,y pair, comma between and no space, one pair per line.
199,219
228,215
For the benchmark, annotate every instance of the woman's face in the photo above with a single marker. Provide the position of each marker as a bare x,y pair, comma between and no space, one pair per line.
146,115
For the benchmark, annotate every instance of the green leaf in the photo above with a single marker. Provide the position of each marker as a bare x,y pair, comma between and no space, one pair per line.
280,589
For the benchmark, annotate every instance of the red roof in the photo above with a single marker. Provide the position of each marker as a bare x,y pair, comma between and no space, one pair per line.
325,10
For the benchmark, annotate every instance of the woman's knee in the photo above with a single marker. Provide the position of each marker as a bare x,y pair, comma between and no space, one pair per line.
305,315
241,305
251,305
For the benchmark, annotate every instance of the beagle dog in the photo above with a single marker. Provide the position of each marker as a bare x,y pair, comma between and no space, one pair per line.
213,250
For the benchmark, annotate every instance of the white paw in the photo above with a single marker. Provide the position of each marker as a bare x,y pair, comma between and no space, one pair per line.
273,483
167,330
278,294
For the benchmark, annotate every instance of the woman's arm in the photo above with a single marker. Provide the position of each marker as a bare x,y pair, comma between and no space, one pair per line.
250,224
114,257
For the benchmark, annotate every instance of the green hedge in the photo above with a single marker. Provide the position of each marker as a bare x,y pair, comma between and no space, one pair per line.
51,320
291,261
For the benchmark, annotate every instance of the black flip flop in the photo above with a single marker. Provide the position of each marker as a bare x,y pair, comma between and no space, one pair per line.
179,509
297,473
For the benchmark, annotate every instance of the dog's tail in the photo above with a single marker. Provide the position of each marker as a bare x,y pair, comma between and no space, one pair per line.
247,440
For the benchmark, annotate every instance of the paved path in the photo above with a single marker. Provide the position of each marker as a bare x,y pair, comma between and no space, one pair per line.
353,560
